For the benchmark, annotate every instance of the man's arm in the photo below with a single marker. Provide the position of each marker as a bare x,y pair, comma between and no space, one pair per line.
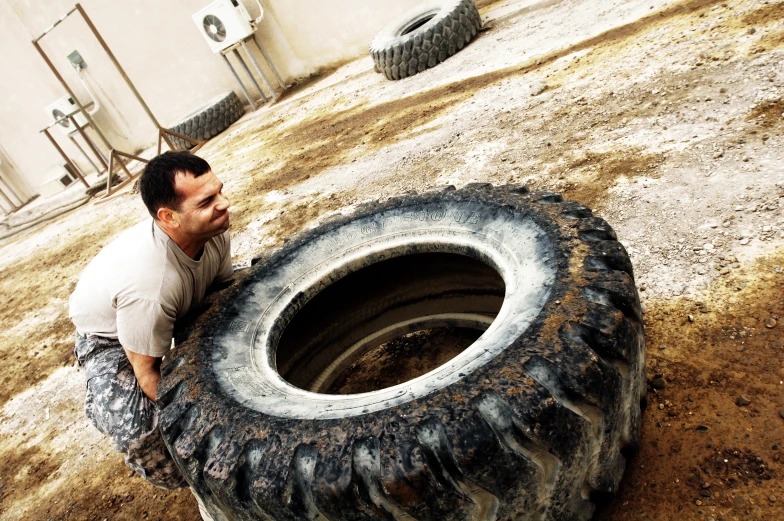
144,329
147,370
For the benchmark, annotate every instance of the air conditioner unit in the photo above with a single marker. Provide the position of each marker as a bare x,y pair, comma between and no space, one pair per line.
66,106
223,23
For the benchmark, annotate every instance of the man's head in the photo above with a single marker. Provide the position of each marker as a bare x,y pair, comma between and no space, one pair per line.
184,196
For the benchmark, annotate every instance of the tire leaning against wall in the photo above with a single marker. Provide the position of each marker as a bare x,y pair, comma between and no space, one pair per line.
530,422
424,36
208,121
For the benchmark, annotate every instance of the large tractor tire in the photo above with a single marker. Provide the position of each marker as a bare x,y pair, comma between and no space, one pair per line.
424,36
208,121
530,421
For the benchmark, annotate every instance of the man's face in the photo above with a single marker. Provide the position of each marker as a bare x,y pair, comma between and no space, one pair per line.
204,211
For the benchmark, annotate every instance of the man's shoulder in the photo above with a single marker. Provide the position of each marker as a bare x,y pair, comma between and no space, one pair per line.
134,255
139,237
222,241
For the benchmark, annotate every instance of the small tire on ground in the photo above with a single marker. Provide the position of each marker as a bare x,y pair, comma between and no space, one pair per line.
424,36
209,120
529,421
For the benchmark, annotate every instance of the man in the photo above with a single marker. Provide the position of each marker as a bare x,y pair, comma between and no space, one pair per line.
130,295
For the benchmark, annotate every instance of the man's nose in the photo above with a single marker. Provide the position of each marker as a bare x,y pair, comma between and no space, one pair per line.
222,203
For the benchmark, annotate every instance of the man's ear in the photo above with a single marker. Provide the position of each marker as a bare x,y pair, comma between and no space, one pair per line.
167,217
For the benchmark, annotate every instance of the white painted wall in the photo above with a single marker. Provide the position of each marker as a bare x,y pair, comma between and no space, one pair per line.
12,184
163,53
321,33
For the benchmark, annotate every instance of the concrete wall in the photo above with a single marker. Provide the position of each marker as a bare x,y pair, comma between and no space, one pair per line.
163,53
320,33
15,191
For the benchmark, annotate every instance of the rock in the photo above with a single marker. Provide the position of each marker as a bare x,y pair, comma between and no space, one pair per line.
770,323
662,347
751,30
772,499
742,400
690,317
705,493
744,242
706,485
658,383
538,87
702,428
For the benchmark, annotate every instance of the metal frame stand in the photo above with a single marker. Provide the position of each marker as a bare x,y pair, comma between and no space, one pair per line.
95,150
234,50
84,154
163,133
65,156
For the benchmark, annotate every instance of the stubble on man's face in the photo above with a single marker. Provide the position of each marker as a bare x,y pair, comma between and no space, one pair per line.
204,210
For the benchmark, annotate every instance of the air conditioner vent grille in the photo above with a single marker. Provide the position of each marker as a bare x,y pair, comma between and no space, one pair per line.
214,28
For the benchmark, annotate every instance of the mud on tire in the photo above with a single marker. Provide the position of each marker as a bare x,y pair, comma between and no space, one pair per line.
530,420
208,121
424,36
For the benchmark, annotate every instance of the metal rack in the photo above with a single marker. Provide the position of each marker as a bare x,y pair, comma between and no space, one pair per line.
80,130
234,50
116,157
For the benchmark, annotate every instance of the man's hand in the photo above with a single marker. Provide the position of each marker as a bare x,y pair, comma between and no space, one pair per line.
147,370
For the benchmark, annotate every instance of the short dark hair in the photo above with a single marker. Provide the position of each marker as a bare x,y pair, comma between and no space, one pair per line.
156,183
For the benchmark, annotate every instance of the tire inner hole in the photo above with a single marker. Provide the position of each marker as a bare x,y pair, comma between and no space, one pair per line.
389,322
417,24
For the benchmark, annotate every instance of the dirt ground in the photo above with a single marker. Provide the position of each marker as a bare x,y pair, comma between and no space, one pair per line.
667,118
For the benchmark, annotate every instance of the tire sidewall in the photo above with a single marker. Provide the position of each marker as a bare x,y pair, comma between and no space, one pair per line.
243,352
391,35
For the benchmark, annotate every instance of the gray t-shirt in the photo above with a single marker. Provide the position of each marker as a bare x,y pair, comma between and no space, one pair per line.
139,284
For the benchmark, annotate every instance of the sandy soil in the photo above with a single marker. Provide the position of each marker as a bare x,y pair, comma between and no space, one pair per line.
666,117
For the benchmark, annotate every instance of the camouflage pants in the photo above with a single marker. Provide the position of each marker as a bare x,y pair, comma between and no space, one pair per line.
116,406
